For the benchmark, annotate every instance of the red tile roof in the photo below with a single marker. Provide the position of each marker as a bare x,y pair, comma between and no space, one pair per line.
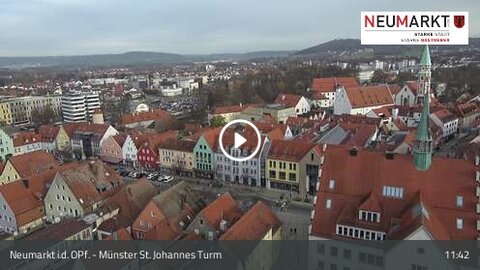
291,150
254,225
358,134
288,99
24,205
70,128
120,138
467,109
48,133
26,137
369,96
229,109
178,145
120,234
330,83
85,181
33,163
223,208
153,140
153,115
369,172
131,200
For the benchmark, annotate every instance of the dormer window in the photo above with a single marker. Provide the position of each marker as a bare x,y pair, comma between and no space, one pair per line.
369,216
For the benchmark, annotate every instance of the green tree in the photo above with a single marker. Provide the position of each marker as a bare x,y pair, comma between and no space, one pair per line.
217,121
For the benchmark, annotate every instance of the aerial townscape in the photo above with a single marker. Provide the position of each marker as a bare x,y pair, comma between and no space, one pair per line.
354,142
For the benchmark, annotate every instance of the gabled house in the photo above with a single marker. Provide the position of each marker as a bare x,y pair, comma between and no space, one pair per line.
26,165
216,218
158,119
258,225
131,199
168,214
147,155
204,151
293,166
466,114
324,90
26,142
447,122
243,172
177,155
300,103
361,100
112,147
407,96
54,138
130,148
81,190
20,210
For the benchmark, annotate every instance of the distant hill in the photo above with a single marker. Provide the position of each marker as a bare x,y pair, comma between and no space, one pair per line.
131,58
338,46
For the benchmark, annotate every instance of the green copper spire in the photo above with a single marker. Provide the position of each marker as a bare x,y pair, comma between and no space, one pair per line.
425,61
423,148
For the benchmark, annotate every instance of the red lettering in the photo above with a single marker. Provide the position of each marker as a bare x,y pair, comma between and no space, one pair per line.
403,21
370,21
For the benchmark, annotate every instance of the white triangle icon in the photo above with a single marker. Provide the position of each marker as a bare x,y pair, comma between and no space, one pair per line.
239,140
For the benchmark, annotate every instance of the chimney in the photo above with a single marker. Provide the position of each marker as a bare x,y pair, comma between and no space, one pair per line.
26,183
354,151
389,155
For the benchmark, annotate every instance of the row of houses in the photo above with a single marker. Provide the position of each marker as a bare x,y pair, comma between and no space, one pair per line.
94,201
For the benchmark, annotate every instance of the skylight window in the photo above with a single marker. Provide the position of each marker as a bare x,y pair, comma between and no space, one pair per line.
459,223
331,184
459,201
328,204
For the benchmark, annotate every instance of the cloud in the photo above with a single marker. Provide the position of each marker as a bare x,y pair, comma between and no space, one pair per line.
66,27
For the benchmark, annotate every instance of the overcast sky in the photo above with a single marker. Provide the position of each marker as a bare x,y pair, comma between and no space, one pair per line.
72,27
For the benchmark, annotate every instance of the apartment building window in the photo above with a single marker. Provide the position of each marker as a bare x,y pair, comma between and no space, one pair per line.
292,176
321,248
272,174
347,254
282,175
334,251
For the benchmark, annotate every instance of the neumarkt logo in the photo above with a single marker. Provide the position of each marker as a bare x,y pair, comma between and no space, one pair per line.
414,28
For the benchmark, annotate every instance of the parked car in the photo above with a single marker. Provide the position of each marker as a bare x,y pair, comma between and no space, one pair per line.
151,176
124,173
135,175
168,179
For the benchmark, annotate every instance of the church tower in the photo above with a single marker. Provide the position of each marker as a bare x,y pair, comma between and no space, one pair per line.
424,76
423,148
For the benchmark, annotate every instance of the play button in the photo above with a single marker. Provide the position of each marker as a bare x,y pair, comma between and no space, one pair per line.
240,140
